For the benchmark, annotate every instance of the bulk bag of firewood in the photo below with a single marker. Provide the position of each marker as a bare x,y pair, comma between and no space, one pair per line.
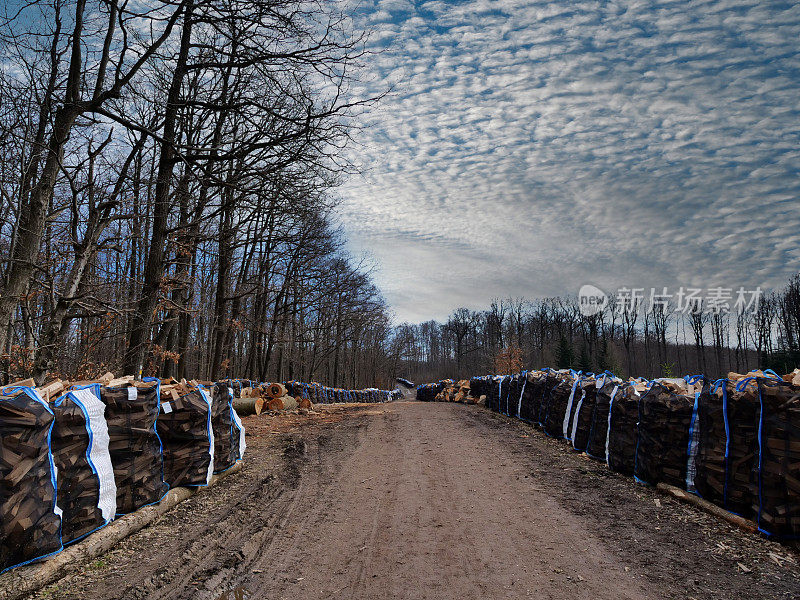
582,416
596,445
30,520
512,395
532,399
87,493
544,400
187,438
711,461
136,454
238,441
622,429
742,415
560,396
526,412
779,473
516,396
665,420
222,422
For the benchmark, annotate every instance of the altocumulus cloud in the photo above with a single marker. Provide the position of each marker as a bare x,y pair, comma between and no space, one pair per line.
530,147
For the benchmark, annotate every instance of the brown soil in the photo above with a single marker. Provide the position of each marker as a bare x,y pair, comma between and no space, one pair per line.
411,500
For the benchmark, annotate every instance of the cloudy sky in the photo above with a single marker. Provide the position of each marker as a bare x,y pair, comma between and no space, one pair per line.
531,147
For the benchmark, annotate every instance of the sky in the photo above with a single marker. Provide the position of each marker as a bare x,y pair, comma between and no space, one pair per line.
528,148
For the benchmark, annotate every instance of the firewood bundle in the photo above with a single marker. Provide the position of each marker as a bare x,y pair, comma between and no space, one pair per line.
29,525
87,493
428,392
222,423
711,464
622,429
496,391
582,417
184,426
533,385
779,475
131,413
598,431
559,401
479,386
741,476
665,418
543,401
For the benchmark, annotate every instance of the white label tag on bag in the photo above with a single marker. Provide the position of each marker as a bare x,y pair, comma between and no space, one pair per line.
166,407
132,391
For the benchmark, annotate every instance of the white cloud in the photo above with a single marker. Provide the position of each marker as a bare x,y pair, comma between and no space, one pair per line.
530,147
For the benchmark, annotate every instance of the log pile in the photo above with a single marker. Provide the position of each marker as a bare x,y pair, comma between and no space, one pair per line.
582,418
779,474
29,525
87,493
455,392
131,413
622,430
711,464
526,412
222,425
598,430
560,403
665,418
187,438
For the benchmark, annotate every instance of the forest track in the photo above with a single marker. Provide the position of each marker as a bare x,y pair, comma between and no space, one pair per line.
413,500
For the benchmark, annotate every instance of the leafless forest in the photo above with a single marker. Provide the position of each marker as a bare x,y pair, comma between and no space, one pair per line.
166,170
516,334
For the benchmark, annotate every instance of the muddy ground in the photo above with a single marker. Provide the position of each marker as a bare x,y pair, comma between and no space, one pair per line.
412,500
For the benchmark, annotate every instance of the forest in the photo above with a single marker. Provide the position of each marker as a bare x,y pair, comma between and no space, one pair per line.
165,180
649,341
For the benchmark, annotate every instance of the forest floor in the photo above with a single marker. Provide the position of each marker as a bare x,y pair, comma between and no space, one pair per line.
434,501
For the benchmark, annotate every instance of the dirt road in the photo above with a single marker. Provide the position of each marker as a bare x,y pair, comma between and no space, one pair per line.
411,500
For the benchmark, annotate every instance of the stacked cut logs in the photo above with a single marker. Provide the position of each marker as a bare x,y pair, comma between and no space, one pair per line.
582,418
598,430
186,437
711,464
80,446
741,478
464,394
559,400
525,402
222,425
29,525
779,474
665,418
454,392
623,431
131,413
736,444
428,392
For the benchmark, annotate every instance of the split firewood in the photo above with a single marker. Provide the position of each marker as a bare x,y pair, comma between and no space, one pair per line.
131,413
222,422
51,390
29,527
185,437
86,492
